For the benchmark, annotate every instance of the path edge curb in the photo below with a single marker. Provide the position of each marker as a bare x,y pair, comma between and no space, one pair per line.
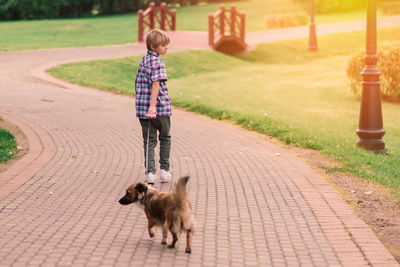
41,150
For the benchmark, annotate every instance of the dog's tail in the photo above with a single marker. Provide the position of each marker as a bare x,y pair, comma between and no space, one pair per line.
184,217
180,192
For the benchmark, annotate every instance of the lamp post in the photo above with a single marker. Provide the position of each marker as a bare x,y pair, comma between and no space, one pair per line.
370,128
312,37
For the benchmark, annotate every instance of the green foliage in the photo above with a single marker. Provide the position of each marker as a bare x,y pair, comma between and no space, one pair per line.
8,9
331,6
76,8
39,9
389,66
45,9
8,146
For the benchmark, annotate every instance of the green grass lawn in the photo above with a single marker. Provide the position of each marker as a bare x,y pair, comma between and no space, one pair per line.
56,33
280,89
122,29
8,146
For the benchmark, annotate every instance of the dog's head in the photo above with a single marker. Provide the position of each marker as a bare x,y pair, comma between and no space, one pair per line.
134,193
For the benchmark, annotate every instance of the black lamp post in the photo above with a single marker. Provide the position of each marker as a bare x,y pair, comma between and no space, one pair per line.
370,128
312,37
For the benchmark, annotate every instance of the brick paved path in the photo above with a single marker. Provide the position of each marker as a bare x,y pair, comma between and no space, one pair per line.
58,205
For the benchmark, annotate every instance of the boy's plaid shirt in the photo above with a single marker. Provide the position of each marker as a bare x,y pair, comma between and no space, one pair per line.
151,69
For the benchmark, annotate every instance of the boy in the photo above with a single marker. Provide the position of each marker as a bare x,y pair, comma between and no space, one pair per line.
153,105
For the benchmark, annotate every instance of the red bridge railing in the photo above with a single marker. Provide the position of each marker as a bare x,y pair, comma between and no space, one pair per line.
155,17
226,30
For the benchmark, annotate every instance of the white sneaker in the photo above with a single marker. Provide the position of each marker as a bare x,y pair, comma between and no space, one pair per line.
150,178
165,176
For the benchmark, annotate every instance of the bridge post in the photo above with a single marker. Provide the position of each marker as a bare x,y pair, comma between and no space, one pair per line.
173,20
233,20
140,25
211,30
222,20
163,11
243,26
152,7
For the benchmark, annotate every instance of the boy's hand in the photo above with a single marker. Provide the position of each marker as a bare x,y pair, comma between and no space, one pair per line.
152,112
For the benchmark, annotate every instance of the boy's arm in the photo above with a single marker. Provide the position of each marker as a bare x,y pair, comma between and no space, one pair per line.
155,89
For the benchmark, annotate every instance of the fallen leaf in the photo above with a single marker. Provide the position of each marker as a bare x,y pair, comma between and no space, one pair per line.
368,192
278,154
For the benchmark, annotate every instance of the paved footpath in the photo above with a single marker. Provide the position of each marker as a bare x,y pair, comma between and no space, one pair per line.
58,205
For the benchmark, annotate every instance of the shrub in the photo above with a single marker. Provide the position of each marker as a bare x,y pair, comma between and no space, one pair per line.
286,20
388,65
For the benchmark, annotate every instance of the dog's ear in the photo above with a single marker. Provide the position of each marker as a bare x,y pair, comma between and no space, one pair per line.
141,190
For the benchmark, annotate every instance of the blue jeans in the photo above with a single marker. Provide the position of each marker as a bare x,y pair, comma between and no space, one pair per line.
162,125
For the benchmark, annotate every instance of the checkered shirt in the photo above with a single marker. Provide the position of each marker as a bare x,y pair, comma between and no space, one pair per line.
151,69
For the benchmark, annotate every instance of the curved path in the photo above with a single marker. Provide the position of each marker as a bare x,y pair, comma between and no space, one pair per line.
255,204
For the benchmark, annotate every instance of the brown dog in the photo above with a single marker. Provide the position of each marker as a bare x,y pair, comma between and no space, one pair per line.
170,211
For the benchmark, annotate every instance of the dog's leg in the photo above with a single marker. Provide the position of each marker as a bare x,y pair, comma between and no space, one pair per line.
151,227
164,235
188,239
174,239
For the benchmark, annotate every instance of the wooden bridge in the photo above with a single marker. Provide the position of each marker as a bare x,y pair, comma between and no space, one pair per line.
226,30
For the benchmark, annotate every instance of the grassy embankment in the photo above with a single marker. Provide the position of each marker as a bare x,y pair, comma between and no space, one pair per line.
8,146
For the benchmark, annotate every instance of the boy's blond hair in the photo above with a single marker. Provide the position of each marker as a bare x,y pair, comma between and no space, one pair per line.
156,38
